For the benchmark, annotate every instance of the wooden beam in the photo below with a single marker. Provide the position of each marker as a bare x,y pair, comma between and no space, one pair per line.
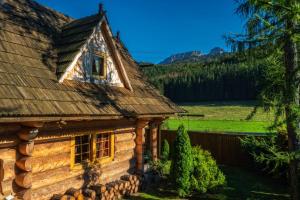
33,124
139,145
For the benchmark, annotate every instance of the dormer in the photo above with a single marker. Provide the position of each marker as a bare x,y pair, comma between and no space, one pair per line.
87,53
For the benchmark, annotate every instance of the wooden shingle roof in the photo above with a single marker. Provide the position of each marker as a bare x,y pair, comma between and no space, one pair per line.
36,46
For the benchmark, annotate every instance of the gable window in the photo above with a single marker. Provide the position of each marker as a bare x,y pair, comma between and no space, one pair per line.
93,147
99,66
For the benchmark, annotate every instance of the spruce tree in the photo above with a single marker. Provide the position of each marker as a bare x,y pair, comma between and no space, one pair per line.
182,162
165,151
272,34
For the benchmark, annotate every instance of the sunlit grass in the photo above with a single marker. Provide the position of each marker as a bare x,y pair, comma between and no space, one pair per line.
224,117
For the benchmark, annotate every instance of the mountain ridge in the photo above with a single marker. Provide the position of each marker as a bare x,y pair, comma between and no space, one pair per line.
192,56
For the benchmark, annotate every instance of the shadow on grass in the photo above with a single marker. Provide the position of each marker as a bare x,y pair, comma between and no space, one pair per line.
241,185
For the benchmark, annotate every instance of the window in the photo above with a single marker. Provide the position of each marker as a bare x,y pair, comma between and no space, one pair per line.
82,149
98,65
103,146
91,148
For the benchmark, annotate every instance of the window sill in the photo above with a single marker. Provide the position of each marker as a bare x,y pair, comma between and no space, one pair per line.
105,160
77,167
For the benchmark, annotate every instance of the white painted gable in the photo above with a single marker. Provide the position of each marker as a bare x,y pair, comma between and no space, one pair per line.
82,70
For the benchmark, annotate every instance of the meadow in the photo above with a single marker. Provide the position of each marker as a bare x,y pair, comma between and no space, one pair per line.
223,116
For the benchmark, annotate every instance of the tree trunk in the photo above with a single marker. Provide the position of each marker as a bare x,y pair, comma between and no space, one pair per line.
291,107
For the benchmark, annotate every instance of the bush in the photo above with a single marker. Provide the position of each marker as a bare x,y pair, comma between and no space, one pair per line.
165,151
181,166
162,168
206,175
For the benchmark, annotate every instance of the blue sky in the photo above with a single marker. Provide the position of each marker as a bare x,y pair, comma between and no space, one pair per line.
154,29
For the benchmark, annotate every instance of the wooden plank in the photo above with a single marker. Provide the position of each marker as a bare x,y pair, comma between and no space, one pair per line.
225,148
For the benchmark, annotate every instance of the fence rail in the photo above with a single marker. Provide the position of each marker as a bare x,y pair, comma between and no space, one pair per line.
225,148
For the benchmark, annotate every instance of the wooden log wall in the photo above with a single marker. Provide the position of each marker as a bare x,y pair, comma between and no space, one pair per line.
23,165
8,142
125,187
46,169
51,164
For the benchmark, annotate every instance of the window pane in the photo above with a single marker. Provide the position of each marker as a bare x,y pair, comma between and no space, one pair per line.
85,148
82,148
103,145
98,66
78,159
77,149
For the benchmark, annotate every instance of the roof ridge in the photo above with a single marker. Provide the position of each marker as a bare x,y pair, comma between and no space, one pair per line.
70,24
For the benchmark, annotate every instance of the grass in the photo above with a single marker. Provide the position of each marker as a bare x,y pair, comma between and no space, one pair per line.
218,125
241,184
223,117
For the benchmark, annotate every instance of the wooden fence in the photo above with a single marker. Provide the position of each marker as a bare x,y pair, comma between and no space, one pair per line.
225,148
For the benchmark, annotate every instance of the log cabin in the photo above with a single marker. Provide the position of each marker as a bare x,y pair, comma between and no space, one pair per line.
70,94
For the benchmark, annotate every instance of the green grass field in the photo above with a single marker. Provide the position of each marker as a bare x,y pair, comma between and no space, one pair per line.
223,117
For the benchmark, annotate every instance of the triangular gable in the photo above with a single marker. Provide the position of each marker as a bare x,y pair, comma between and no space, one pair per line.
101,40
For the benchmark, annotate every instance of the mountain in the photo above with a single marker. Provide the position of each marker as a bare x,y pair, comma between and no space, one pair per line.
187,56
192,56
216,51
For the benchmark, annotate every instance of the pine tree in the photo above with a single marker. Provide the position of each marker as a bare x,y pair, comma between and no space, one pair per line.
182,162
272,34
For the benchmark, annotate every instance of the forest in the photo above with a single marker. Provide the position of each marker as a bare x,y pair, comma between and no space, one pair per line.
224,77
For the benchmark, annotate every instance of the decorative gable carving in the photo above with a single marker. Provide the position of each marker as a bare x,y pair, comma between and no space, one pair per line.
84,69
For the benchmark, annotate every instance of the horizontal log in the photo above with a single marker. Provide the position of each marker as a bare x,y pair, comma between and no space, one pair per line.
121,137
52,148
24,163
113,173
52,177
24,180
46,192
28,134
26,148
8,154
124,146
124,155
41,164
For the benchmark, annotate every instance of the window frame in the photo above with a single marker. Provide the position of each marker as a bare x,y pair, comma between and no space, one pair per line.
102,55
93,150
112,148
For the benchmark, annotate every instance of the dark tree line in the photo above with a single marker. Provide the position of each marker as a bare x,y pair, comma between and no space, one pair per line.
226,77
